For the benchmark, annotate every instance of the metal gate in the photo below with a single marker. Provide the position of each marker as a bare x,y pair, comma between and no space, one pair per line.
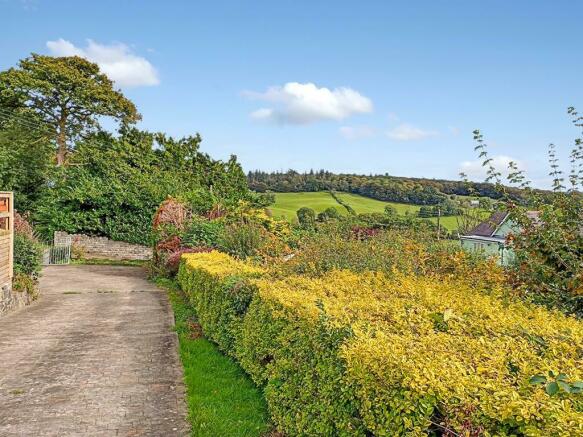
58,254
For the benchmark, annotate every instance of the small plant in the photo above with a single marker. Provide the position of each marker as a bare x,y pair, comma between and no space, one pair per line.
25,284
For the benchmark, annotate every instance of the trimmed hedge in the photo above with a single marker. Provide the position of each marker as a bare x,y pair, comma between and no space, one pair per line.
368,354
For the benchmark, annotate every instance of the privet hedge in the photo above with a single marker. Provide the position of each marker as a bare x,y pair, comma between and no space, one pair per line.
376,354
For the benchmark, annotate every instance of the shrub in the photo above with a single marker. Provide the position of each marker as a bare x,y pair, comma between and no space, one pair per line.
329,213
548,249
219,306
25,284
114,184
23,227
27,255
306,217
371,354
242,240
419,253
202,232
390,211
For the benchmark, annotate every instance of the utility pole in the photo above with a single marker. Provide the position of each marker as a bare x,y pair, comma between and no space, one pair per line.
438,219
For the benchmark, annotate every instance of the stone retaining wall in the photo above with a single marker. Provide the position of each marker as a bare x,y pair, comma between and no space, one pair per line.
11,299
102,247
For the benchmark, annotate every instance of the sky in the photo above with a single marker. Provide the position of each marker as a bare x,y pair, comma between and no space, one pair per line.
359,87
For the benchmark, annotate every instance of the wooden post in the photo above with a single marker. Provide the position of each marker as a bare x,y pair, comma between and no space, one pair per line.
6,237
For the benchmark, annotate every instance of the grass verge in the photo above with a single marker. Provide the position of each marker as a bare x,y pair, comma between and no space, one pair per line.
222,400
108,262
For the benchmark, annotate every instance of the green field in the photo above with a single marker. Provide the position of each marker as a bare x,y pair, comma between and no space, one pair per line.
286,205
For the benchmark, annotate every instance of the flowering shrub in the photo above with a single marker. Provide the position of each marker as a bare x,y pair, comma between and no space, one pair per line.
391,354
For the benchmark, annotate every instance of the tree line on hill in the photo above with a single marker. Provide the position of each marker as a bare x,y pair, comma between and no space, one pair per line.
418,191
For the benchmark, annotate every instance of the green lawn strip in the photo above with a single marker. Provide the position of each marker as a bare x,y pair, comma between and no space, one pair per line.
222,399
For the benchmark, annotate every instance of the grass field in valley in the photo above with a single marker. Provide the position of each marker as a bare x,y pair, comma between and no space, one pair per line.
286,205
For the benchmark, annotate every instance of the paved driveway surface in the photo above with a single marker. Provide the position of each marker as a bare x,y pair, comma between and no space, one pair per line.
95,356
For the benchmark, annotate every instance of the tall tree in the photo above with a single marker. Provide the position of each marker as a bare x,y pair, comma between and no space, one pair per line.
69,94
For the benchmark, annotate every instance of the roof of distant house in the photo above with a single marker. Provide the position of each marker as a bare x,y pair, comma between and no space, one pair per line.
488,228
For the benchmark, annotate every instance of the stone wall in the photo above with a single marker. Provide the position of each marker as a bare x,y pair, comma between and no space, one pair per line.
102,247
11,299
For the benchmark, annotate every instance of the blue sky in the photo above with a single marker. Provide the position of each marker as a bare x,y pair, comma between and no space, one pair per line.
364,87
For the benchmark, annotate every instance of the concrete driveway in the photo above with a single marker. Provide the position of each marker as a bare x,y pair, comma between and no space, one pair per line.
95,356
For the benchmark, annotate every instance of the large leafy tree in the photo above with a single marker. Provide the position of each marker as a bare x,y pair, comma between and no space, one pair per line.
67,95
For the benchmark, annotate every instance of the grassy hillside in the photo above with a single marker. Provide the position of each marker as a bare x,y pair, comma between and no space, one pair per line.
286,205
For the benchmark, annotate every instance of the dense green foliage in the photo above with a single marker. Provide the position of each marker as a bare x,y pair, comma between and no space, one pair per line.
222,400
27,257
114,185
103,184
201,232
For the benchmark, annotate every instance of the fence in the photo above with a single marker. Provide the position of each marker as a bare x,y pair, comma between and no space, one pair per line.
58,254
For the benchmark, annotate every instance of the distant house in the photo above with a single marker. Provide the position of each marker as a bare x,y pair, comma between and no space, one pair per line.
489,237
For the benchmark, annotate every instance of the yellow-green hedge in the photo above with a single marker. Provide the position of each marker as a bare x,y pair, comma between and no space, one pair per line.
358,354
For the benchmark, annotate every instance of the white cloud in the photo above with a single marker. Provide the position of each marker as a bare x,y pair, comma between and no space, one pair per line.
116,60
475,171
408,132
303,103
356,132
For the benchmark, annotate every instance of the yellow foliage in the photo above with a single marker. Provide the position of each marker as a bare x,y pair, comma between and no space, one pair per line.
480,357
220,264
421,343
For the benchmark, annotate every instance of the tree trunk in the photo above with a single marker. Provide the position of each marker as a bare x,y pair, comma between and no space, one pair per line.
62,139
